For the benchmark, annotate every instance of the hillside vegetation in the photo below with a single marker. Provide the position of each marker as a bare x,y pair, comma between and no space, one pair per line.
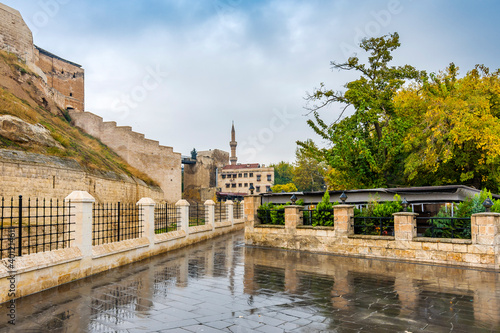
23,95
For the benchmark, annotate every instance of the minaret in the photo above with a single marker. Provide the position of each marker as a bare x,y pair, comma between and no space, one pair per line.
233,144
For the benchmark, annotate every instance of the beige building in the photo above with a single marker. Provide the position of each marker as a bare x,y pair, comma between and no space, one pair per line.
236,179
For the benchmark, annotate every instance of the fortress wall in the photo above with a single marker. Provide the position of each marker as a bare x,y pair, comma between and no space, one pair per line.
65,77
160,163
15,36
39,176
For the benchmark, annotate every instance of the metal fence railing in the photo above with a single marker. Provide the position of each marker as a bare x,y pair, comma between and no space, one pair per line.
445,227
238,210
32,226
166,218
271,216
315,217
369,225
115,222
220,212
196,215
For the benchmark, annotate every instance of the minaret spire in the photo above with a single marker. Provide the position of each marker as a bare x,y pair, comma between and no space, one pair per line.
233,145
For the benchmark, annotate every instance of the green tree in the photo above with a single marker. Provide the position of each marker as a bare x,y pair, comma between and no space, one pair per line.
365,149
283,173
455,132
308,174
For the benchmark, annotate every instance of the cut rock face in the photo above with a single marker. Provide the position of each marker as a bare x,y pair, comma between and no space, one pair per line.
17,130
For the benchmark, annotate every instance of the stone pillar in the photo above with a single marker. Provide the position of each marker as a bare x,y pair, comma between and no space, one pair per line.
405,226
252,203
242,207
485,229
81,208
183,215
147,218
293,218
210,213
343,220
230,211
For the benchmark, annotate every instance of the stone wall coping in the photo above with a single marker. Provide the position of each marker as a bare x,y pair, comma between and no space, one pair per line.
80,196
223,224
486,214
242,220
209,203
40,260
405,214
104,250
182,203
146,202
344,206
442,240
229,202
269,226
321,227
200,228
375,237
169,236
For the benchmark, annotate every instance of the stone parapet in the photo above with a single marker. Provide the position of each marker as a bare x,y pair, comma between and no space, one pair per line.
36,272
482,250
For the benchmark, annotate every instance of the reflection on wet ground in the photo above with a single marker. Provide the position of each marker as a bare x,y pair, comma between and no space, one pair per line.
223,286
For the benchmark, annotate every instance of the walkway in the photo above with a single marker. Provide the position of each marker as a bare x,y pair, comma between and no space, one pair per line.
223,286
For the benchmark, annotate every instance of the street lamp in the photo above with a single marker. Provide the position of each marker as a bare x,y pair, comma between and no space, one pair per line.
251,188
488,204
293,199
343,197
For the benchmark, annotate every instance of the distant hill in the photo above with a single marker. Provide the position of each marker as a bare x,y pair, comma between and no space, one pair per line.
37,125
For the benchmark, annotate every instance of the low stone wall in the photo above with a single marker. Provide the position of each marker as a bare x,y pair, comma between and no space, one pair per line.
36,272
482,250
41,176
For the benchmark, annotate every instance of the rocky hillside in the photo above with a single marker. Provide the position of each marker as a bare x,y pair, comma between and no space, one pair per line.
30,121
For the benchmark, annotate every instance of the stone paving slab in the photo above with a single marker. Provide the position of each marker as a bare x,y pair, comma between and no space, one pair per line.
223,286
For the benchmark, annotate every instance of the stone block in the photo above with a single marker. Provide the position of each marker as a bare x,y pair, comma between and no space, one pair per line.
427,246
472,258
447,247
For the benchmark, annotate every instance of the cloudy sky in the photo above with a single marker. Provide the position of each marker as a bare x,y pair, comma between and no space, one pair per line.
180,71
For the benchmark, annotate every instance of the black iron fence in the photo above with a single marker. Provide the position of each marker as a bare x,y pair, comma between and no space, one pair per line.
32,226
220,212
369,225
271,216
318,217
166,218
445,227
115,222
196,214
238,210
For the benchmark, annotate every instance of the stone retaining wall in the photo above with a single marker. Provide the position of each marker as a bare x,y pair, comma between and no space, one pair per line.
482,250
40,271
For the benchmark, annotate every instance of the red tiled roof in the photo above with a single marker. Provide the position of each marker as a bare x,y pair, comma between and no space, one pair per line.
241,166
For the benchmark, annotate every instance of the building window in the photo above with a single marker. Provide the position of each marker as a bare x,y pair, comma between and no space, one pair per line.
246,184
251,184
245,175
240,175
251,174
233,185
227,185
240,185
258,178
74,75
268,188
257,189
235,175
223,176
70,94
269,178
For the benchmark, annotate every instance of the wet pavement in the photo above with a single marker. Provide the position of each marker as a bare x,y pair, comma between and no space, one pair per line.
223,286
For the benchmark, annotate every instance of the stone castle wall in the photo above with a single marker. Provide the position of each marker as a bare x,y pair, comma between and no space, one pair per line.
65,78
39,176
160,163
203,174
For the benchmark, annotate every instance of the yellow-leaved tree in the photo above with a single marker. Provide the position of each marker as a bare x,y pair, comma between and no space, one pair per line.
454,132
